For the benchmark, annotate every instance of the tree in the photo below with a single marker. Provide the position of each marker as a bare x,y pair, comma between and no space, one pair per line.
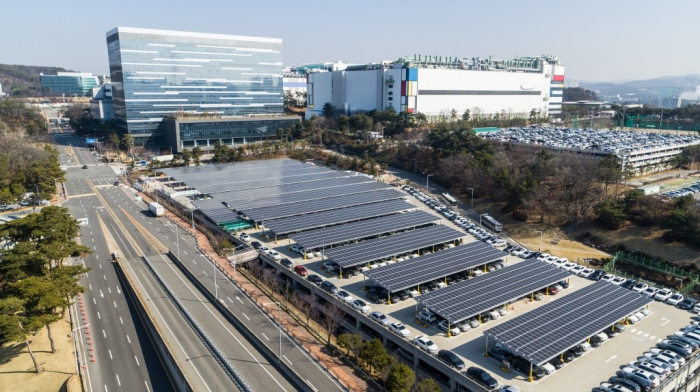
453,114
351,342
330,319
196,154
113,139
401,378
579,94
373,354
127,142
427,385
610,213
15,326
328,110
466,115
186,157
41,299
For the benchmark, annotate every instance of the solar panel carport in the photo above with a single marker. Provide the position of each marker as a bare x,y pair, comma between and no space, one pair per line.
215,211
299,223
224,171
414,272
263,181
331,203
472,297
547,331
310,194
392,245
367,228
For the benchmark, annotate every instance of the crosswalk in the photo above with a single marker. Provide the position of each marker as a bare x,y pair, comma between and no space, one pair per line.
104,181
74,166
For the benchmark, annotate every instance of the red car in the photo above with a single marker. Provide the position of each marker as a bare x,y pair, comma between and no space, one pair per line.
551,290
301,270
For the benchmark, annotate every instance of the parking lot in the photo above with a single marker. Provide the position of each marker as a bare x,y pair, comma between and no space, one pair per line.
592,368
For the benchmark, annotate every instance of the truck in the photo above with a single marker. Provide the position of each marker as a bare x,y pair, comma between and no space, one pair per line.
155,208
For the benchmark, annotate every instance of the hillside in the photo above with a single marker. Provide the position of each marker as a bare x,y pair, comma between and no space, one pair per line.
661,86
23,80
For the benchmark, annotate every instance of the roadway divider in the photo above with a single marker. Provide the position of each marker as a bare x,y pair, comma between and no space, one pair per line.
242,328
176,376
213,348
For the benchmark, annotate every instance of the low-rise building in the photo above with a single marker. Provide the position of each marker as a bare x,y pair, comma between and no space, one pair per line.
69,83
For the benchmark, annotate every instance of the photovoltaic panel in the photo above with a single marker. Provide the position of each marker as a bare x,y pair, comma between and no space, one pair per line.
413,272
331,203
543,333
299,223
263,182
199,175
215,211
331,236
472,297
384,247
309,194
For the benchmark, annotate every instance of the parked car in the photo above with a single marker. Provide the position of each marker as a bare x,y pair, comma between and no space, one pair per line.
597,275
500,354
360,306
274,254
244,237
424,343
482,377
315,279
444,326
451,359
378,297
629,284
650,292
256,245
301,270
687,303
639,287
329,287
344,296
675,299
663,295
399,329
380,318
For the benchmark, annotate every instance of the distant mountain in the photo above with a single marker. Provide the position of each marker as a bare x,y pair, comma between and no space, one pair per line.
659,87
23,80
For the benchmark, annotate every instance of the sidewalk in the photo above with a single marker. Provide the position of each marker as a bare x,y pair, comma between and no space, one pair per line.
344,374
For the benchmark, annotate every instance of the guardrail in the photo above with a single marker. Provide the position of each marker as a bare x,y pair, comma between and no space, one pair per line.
218,355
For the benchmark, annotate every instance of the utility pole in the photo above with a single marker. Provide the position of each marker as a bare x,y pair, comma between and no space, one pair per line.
472,206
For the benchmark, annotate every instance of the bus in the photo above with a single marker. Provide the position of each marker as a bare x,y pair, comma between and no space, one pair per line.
450,200
491,223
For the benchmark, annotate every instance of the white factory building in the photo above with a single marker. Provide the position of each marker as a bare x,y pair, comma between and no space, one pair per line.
435,85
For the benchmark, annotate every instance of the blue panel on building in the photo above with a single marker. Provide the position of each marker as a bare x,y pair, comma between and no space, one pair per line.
412,74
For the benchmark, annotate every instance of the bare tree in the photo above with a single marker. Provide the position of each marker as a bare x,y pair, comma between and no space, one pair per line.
305,305
330,319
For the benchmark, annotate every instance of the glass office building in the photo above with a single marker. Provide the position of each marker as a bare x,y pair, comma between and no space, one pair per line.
159,73
69,83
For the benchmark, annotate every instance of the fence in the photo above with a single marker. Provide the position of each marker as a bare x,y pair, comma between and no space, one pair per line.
653,266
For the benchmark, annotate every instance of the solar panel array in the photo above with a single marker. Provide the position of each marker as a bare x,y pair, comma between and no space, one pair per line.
310,194
367,228
553,328
262,181
472,297
215,211
384,247
299,223
331,203
233,197
201,174
414,272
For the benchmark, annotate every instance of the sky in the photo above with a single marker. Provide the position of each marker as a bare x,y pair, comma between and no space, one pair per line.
596,40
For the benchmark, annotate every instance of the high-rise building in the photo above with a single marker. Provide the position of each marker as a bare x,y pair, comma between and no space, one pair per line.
69,83
160,73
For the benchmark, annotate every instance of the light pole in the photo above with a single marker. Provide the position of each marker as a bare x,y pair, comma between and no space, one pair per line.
472,189
279,324
541,232
415,166
427,184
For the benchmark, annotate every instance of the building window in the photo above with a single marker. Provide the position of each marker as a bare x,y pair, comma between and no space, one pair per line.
391,93
391,98
391,86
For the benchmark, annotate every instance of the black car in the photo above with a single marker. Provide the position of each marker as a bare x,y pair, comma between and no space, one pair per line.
567,356
597,275
627,383
378,297
287,263
328,286
628,284
256,245
523,366
500,354
401,295
576,351
564,284
85,166
610,332
687,303
430,286
642,382
556,362
315,279
482,377
595,341
451,359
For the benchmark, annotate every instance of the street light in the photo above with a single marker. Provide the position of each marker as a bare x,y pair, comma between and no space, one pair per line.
541,232
279,324
472,189
427,186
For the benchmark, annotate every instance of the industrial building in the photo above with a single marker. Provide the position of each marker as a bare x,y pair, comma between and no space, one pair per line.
69,83
160,73
435,85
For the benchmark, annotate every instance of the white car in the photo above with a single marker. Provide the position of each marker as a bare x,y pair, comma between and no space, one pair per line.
632,319
444,326
413,292
424,343
585,346
344,296
607,278
296,248
568,266
464,326
263,249
640,316
543,256
646,365
662,358
618,281
650,292
602,336
361,306
399,329
649,376
380,318
668,353
577,269
663,295
675,299
381,263
585,273
639,287
274,254
696,309
244,237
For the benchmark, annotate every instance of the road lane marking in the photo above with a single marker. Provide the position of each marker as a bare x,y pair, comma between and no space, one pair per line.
98,316
104,276
101,294
239,300
115,303
245,316
127,338
100,266
285,357
90,286
184,251
109,289
118,382
120,319
312,385
110,354
93,301
137,361
264,336
229,298
104,333
147,388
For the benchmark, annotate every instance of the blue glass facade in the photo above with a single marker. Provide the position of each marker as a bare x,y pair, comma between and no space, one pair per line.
69,83
159,73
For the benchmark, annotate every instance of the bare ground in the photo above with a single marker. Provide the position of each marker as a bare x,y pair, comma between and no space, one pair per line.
17,370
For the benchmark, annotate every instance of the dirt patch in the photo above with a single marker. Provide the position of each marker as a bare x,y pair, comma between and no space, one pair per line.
17,369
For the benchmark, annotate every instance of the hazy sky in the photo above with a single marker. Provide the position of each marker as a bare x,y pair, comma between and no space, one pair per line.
596,40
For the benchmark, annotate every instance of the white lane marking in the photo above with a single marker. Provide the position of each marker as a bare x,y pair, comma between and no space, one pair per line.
311,385
239,300
93,301
665,322
97,256
118,291
118,382
184,251
653,337
285,357
101,294
264,336
100,266
611,358
90,286
229,298
98,316
104,276
110,354
120,319
646,335
110,290
634,329
105,387
104,333
127,338
115,303
244,315
137,362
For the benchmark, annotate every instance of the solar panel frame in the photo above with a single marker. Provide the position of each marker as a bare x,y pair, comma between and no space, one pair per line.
300,223
312,206
577,316
264,182
383,247
331,236
472,297
414,272
201,174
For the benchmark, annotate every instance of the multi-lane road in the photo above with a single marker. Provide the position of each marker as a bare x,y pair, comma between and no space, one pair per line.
124,356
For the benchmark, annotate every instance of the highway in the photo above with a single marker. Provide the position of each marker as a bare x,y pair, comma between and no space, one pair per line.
124,357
